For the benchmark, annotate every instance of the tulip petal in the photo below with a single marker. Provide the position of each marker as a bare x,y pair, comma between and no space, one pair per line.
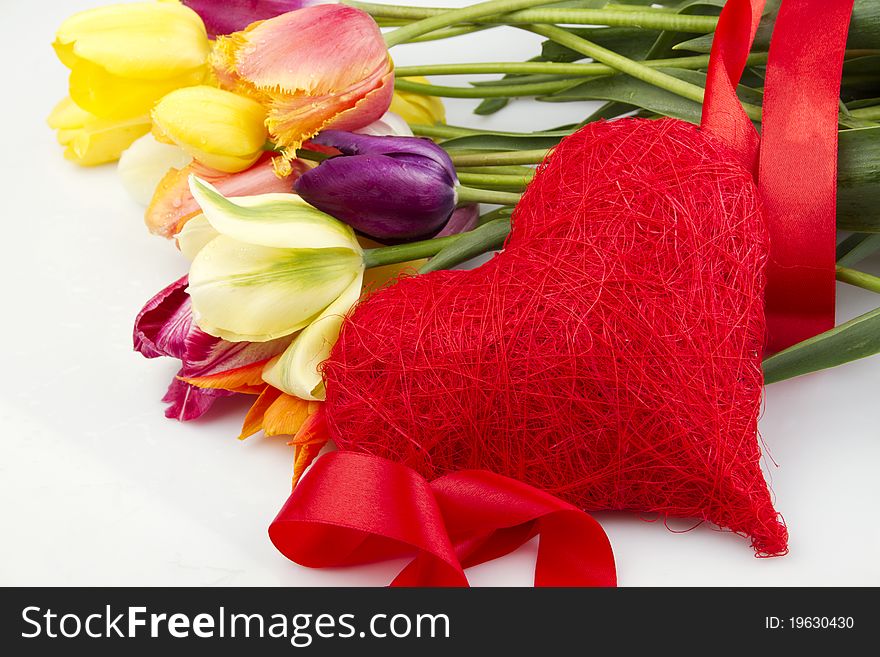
384,197
286,415
188,402
333,46
274,220
351,143
253,421
389,124
296,371
343,75
418,109
194,235
220,129
111,96
143,165
257,293
164,327
161,327
463,219
145,40
233,15
90,140
293,119
173,205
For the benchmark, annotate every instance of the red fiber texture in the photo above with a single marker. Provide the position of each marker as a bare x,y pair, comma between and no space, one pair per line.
610,355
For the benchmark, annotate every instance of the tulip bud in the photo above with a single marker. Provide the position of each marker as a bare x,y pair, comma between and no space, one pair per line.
315,68
218,128
390,188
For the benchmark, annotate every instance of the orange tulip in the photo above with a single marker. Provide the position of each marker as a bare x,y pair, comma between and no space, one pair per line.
315,68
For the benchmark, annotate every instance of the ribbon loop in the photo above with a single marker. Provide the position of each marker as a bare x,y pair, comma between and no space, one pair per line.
723,114
356,508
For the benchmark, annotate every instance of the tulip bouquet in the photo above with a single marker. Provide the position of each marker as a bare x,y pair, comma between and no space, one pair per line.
274,143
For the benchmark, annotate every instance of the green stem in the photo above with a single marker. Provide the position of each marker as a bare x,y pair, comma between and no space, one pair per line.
472,195
492,181
455,16
623,64
390,255
449,32
503,157
482,239
500,91
488,237
859,279
556,68
513,170
649,19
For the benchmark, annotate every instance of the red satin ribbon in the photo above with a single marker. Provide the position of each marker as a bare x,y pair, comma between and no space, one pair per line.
796,169
353,509
723,114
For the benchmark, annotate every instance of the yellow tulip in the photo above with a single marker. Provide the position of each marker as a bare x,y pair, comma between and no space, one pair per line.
90,140
418,109
220,129
123,58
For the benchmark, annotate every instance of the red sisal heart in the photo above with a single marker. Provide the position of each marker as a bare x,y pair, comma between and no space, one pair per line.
609,355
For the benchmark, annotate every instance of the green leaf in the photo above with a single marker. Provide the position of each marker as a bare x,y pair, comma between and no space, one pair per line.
857,338
858,180
626,89
856,248
491,105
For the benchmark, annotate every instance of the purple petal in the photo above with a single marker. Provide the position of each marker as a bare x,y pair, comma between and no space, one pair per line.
227,16
187,402
355,144
462,220
381,196
165,322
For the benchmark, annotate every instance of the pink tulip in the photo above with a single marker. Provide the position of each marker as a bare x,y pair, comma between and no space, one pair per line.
315,68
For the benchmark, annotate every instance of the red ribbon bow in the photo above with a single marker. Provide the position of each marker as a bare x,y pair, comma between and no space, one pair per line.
353,509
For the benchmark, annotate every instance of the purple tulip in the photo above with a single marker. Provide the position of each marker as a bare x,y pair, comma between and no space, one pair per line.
165,327
390,188
233,15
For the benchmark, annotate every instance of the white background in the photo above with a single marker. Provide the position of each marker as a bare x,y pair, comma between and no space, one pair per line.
97,487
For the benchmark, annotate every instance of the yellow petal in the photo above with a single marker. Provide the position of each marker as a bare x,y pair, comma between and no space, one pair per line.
144,40
90,140
220,129
111,96
256,293
67,115
418,109
297,370
195,234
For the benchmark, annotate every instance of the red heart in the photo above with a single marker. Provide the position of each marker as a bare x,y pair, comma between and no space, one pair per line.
609,355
